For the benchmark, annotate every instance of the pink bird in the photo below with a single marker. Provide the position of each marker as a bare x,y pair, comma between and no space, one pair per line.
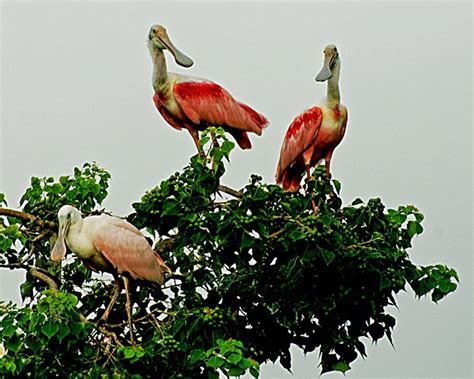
193,103
314,134
110,244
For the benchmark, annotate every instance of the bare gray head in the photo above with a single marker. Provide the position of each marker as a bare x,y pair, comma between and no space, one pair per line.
67,216
331,62
158,39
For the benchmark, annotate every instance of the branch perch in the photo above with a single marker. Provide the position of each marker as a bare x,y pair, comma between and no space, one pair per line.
229,191
26,217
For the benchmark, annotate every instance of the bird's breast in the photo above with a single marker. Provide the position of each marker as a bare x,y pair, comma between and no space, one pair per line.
81,245
165,96
332,123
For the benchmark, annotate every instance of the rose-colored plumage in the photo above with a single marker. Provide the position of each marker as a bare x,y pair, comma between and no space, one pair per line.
195,104
110,244
128,251
314,134
311,137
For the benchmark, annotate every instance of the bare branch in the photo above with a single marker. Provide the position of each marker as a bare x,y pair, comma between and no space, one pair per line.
229,191
45,278
26,217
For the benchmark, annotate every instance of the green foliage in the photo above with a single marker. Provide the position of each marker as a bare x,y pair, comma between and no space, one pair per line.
86,189
254,274
41,338
228,357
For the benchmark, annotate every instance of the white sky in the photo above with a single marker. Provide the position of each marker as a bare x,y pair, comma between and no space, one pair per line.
76,87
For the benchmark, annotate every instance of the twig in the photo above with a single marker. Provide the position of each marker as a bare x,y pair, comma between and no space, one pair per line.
276,234
27,217
350,247
229,191
45,278
108,333
220,204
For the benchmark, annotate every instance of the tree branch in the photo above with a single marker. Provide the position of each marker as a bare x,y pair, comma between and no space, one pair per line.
229,191
45,278
26,217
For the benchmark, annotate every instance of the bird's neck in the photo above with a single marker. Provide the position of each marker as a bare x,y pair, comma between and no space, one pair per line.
74,234
333,95
160,73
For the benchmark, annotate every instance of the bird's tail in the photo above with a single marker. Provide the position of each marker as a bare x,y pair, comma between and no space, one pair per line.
290,178
259,120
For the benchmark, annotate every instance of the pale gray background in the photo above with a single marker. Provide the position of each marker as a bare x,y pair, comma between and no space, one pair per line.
76,87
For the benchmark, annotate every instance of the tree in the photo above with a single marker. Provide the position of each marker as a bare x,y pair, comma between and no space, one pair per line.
255,271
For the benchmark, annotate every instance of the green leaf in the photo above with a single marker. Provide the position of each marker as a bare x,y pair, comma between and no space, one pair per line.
254,372
437,295
328,256
234,358
245,363
9,331
413,228
63,331
341,367
13,343
128,352
236,371
357,201
50,329
385,283
446,286
197,355
227,147
215,361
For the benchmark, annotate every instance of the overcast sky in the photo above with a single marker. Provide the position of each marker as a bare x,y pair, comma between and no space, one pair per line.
76,87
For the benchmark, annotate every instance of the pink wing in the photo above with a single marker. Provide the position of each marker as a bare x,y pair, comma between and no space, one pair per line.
127,250
298,139
209,103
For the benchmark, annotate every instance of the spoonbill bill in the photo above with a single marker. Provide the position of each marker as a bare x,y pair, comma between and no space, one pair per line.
315,133
193,103
109,244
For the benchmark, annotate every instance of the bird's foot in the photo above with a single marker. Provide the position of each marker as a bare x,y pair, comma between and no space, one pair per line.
314,206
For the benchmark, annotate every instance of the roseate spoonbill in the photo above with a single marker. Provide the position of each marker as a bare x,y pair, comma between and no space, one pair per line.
315,133
110,244
193,103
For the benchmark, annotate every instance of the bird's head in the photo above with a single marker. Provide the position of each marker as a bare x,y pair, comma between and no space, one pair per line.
158,39
331,60
67,216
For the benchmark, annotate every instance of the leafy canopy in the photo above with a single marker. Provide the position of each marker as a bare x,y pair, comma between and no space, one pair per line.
255,272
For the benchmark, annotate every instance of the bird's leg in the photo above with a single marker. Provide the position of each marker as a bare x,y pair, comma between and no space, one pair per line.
128,307
328,165
308,172
328,172
315,207
195,134
313,203
115,295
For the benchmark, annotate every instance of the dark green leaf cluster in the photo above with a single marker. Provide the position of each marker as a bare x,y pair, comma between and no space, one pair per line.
86,189
254,273
42,338
228,357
